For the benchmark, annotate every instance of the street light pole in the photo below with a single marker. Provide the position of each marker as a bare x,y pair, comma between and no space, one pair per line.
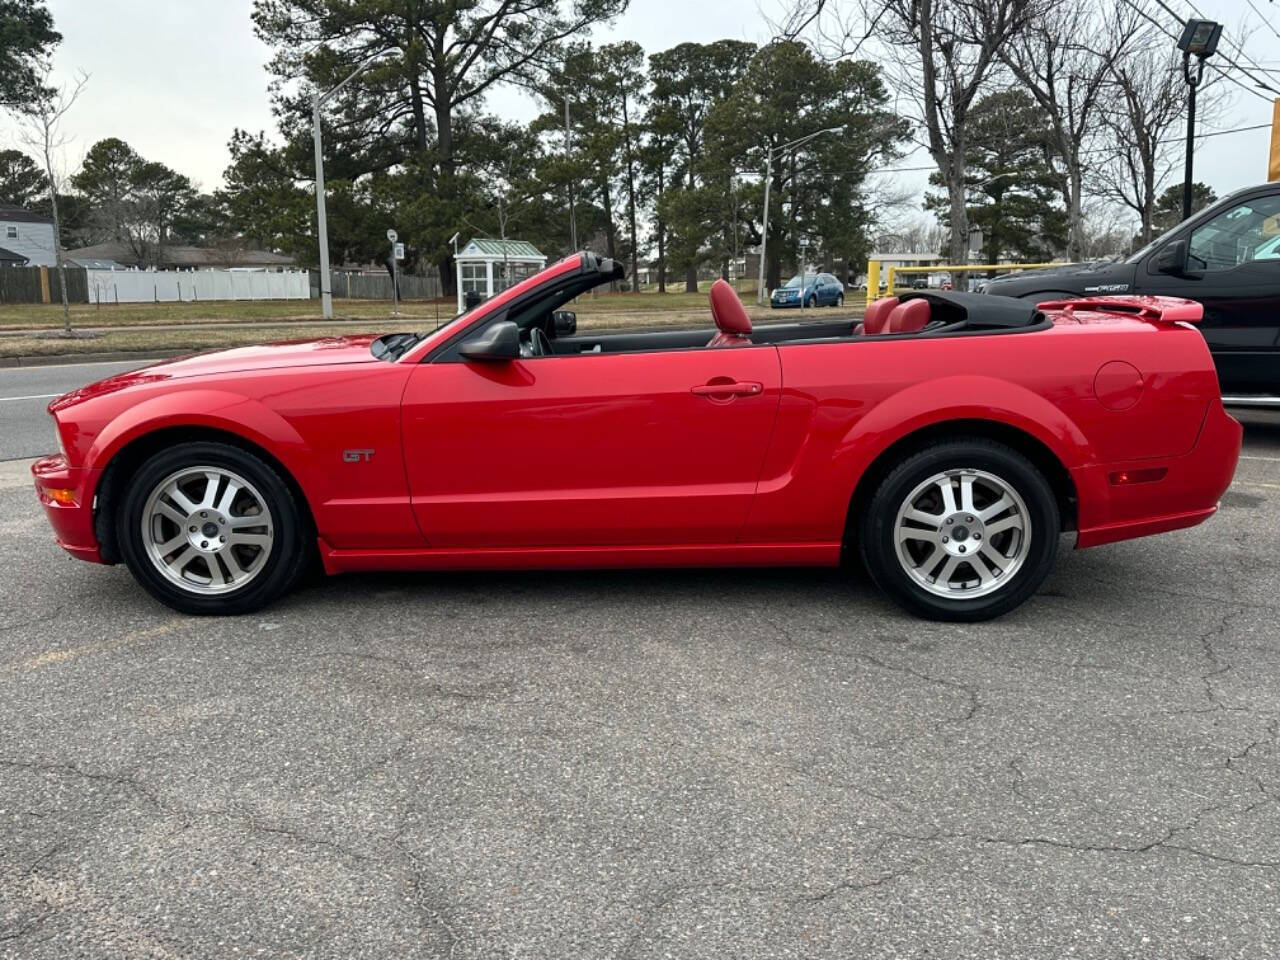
322,224
764,232
768,177
1191,128
568,146
1199,37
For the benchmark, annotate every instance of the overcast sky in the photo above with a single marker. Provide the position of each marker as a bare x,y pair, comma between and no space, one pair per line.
174,78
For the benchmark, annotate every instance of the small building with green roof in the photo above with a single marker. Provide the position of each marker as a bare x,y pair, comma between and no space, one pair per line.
488,267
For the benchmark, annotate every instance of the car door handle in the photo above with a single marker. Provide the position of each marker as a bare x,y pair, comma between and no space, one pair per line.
733,388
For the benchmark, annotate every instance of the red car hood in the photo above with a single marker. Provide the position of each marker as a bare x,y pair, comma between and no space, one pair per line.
271,356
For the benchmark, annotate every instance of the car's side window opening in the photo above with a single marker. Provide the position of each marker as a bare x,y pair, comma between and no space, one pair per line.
919,316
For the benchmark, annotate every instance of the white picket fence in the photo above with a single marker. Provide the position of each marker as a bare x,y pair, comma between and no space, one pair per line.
173,286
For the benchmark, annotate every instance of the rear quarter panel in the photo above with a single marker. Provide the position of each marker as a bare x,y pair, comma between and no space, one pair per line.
844,403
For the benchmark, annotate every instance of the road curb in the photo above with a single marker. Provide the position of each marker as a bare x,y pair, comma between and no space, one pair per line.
55,359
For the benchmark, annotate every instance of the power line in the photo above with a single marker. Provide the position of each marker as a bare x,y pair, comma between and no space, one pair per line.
1222,56
1212,66
1268,23
930,167
1239,47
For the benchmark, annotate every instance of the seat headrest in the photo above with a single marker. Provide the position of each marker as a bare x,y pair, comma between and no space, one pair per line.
727,310
877,315
910,316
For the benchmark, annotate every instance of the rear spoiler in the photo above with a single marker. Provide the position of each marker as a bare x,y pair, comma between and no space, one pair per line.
1153,309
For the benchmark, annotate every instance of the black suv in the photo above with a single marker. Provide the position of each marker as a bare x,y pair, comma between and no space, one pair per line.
1227,257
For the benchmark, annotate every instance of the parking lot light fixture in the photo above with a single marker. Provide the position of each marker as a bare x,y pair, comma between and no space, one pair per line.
322,226
768,176
1200,40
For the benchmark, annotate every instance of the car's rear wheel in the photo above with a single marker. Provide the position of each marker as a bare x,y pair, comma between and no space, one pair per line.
208,528
839,300
811,302
964,530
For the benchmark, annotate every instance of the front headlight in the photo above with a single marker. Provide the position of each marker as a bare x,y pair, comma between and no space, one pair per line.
62,447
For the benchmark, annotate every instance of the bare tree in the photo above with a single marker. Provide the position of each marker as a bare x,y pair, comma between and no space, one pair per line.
40,129
948,55
1141,120
1064,59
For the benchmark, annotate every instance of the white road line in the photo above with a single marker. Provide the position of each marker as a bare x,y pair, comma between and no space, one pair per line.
1251,483
1261,459
37,396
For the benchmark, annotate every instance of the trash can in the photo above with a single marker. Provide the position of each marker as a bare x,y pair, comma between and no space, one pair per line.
471,299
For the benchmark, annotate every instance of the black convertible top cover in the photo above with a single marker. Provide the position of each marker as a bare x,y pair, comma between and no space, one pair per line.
978,310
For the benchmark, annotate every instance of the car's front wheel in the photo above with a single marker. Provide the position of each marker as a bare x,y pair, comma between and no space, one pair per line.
209,528
964,530
811,302
839,301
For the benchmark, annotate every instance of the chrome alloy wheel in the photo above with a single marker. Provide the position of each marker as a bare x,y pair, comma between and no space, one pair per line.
962,534
207,530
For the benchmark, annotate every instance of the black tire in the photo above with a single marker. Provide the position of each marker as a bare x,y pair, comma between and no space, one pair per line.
876,531
839,301
811,302
287,557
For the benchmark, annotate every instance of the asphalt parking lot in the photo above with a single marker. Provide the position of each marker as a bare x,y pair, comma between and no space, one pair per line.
633,765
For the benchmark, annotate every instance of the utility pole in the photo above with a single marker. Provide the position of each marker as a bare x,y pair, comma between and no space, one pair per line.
733,200
322,224
568,146
768,177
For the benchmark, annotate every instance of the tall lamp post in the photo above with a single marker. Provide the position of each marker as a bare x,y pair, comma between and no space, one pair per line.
1199,39
322,224
768,177
568,149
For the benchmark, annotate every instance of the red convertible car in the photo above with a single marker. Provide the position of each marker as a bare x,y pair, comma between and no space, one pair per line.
948,440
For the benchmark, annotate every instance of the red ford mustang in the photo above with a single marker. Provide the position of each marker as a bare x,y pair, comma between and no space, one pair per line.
948,440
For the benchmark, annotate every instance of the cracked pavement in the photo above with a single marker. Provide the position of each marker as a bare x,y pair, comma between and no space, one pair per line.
705,763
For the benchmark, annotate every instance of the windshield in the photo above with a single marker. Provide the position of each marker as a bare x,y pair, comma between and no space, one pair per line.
1160,240
798,281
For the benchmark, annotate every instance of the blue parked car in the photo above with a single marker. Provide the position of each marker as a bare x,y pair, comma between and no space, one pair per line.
809,290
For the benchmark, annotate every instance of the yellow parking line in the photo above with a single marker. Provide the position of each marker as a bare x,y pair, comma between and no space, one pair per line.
71,653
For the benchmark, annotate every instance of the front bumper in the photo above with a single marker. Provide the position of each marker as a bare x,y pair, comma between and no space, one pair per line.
779,304
66,493
1186,494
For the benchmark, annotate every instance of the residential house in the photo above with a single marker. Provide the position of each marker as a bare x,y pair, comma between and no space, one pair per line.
26,235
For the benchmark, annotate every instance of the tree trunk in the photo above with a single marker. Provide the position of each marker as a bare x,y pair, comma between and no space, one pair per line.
631,192
959,225
448,280
419,112
1148,201
662,235
444,123
1075,214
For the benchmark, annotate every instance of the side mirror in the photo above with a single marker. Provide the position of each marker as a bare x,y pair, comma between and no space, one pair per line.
500,341
564,323
1171,259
